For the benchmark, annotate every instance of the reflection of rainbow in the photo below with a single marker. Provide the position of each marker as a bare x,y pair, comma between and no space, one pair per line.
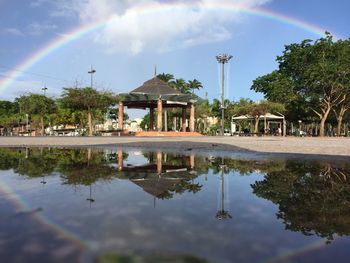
21,206
290,254
152,9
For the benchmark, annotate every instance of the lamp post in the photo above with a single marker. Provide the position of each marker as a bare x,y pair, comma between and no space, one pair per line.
27,121
92,71
223,59
44,89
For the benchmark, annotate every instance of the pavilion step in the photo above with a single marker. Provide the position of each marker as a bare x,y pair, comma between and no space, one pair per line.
167,134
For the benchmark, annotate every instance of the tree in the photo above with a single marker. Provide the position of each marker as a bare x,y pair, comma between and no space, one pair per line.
166,77
255,109
194,84
258,109
8,108
312,67
277,87
343,55
202,113
87,99
37,104
181,85
9,115
310,74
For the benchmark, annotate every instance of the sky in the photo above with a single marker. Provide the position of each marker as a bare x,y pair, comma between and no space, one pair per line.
53,44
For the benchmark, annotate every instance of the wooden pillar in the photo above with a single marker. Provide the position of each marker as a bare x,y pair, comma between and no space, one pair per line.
159,115
120,160
120,115
165,120
159,163
192,161
183,119
192,118
151,119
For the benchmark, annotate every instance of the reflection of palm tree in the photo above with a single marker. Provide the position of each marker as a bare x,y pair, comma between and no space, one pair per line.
222,214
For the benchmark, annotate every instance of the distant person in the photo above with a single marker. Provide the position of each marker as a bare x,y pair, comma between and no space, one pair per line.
329,132
279,130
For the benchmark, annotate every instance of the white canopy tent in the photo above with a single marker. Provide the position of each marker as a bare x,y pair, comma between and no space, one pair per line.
266,117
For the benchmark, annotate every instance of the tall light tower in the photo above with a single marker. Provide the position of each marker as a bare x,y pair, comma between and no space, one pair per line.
92,71
223,59
44,89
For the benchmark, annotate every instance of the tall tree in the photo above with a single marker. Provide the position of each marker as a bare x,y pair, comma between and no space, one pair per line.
308,75
194,84
39,105
166,77
88,99
8,108
181,85
343,74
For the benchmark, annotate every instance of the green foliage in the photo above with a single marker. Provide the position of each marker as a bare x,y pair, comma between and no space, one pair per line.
89,100
8,108
181,85
313,198
194,84
86,99
312,79
166,77
36,104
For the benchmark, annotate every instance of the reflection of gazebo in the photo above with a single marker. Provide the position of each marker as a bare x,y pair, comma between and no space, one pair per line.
157,94
157,178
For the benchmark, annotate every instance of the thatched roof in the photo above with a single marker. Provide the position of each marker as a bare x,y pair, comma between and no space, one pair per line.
157,186
148,94
156,86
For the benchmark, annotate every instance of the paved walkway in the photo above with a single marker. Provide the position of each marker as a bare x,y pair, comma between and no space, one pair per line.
315,146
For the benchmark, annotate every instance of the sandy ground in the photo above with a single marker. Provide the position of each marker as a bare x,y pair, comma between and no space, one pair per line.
267,145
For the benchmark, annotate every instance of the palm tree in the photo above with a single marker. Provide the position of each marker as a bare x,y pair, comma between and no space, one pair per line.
181,85
166,77
194,84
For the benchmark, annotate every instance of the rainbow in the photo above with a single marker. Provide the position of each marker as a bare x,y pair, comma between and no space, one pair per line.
21,206
150,9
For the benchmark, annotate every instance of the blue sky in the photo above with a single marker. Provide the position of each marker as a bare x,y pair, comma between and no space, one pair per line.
180,37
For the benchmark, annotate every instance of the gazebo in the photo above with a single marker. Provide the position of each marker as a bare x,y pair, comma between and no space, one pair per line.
267,118
157,94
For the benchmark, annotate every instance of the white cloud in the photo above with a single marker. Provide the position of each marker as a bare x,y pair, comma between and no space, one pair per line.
38,3
13,31
40,28
159,25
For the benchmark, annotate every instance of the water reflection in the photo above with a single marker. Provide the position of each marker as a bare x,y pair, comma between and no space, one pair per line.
308,197
222,213
313,198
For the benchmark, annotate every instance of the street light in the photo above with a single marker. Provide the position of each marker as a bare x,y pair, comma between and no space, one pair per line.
44,89
222,59
27,120
92,71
